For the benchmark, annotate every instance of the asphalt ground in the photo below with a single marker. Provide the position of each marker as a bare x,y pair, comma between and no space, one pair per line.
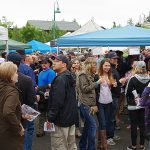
43,143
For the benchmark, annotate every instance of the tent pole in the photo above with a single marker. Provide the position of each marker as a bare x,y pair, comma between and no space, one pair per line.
50,50
7,47
57,50
78,49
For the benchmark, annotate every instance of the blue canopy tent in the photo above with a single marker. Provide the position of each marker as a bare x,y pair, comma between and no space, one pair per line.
123,36
39,46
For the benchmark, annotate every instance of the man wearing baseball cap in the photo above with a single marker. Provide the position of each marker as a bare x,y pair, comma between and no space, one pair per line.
62,58
62,109
116,91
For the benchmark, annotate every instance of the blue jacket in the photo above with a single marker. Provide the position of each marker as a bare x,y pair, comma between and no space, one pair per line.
27,70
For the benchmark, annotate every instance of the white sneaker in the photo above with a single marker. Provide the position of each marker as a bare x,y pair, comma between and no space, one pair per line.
110,141
116,138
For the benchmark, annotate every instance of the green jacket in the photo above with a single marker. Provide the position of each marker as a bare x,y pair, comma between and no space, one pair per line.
86,89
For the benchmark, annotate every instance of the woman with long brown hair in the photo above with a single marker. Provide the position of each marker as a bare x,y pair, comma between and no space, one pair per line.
105,100
76,69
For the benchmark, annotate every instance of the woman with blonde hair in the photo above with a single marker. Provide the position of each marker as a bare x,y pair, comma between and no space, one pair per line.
11,130
87,99
134,89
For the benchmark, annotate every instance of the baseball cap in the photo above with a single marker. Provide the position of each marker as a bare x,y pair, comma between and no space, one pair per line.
112,55
62,58
14,57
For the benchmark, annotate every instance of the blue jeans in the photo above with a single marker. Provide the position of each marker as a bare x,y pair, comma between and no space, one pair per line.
104,115
113,111
29,133
89,130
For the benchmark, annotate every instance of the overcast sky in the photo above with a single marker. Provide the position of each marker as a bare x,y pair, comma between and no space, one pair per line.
104,12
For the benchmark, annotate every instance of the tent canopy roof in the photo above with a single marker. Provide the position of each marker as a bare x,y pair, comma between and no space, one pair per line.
12,44
42,47
124,36
36,45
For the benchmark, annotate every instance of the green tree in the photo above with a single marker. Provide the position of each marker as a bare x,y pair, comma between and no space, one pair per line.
5,23
130,22
138,24
148,18
29,32
116,26
15,34
58,32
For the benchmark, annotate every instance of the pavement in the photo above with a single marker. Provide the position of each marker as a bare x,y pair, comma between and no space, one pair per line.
43,143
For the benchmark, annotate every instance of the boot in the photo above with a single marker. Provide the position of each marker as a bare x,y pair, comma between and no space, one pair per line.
99,141
103,138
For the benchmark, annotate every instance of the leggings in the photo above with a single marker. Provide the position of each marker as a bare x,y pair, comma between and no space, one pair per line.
137,120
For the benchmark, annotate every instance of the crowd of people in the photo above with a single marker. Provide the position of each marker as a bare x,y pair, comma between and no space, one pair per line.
83,96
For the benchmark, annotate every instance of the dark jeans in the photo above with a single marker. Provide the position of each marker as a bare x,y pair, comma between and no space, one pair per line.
111,125
87,140
137,120
104,115
29,133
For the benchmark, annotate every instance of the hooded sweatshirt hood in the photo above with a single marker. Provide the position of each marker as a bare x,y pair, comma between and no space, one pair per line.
142,78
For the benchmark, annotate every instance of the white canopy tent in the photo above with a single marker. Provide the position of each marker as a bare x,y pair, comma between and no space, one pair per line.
88,27
4,35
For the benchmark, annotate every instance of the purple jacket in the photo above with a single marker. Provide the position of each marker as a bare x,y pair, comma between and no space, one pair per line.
145,101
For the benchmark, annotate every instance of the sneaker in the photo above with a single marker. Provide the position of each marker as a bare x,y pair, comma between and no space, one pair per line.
110,141
129,126
116,138
142,148
130,148
117,127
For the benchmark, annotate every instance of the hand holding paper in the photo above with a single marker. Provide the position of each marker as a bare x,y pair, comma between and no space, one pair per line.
49,127
29,113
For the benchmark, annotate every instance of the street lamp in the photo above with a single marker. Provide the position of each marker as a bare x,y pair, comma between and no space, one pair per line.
56,10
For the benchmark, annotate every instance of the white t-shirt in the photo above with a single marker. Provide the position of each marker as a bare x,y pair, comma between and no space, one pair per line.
105,94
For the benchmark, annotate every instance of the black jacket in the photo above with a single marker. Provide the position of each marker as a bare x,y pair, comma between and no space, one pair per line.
62,109
135,83
25,85
116,90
